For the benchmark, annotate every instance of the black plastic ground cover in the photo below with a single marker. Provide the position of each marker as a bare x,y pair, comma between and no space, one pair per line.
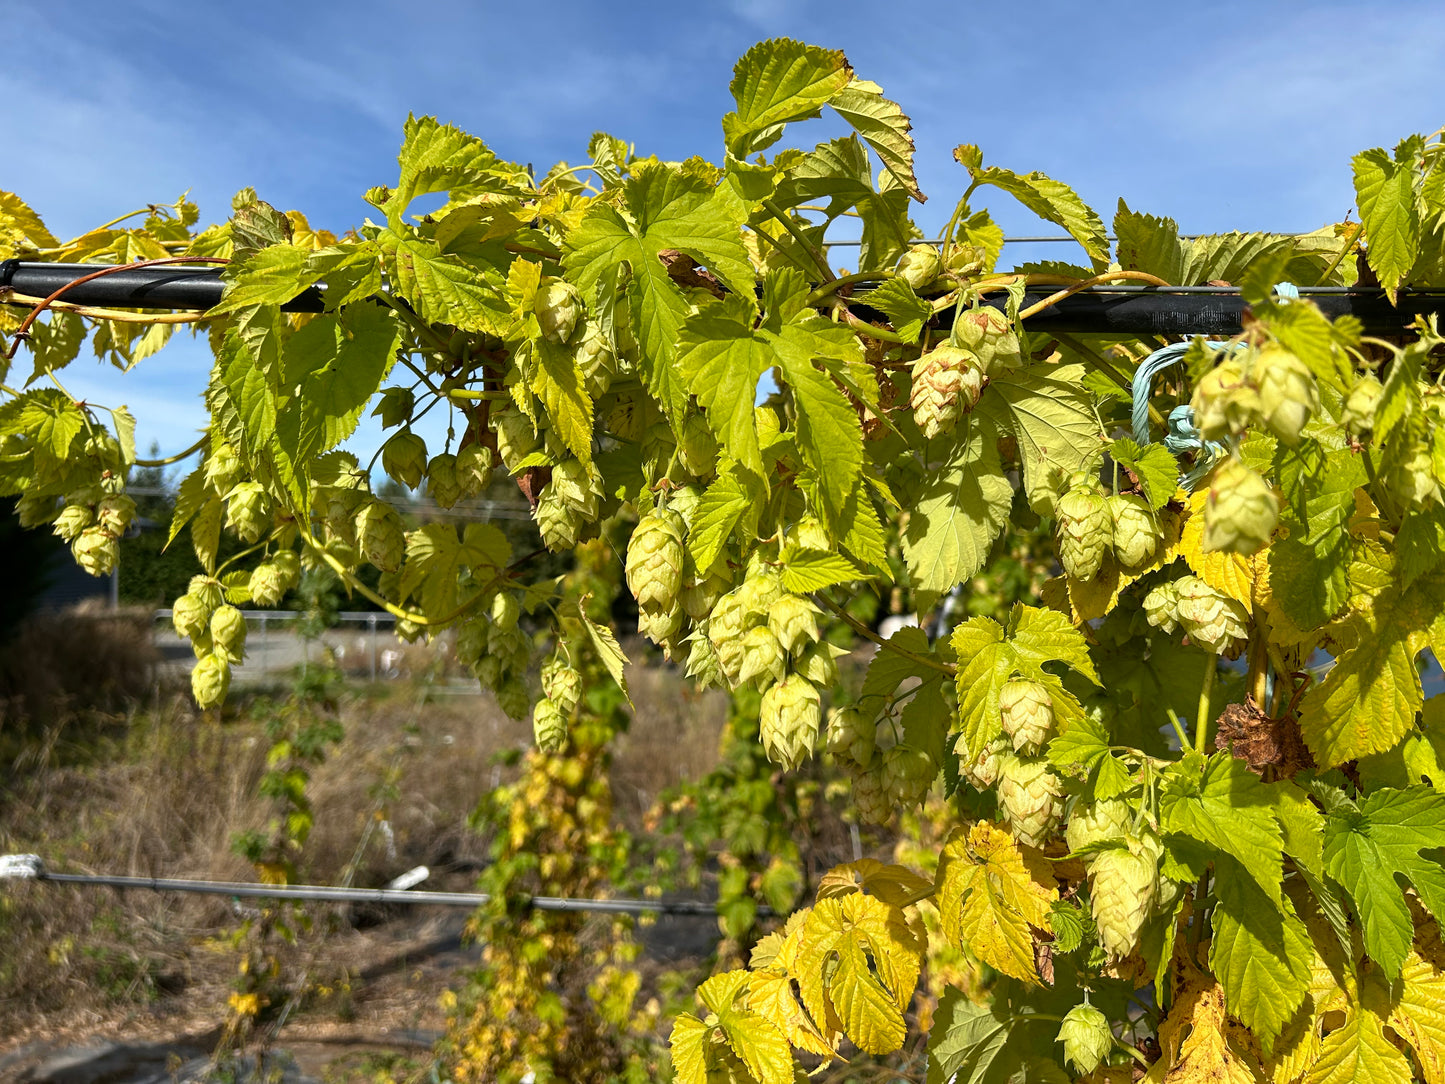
1102,310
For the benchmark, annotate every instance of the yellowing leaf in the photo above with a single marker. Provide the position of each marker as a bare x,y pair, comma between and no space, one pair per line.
1197,1043
689,1036
1230,573
988,900
897,886
1419,1015
1359,1053
778,81
771,996
884,127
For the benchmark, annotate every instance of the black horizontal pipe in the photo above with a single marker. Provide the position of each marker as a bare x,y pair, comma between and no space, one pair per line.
1100,310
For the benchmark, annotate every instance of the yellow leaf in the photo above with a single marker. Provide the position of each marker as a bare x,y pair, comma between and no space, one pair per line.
688,1041
988,899
897,886
1359,1053
1197,1042
770,995
1419,1016
1238,577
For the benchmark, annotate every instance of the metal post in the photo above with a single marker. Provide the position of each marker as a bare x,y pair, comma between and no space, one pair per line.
371,624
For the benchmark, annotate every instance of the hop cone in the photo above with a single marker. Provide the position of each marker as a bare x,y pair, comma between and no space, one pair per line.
794,621
947,382
702,661
558,307
1288,394
596,361
1031,797
210,680
73,519
223,467
1225,402
851,734
441,479
659,626
654,560
1028,714
725,630
228,633
556,521
248,510
1086,1037
869,797
380,535
191,616
761,588
698,448
403,457
1085,528
919,266
1212,619
789,721
561,684
1364,397
700,594
1413,477
95,550
1097,823
818,664
1136,535
549,726
474,465
1241,511
114,513
268,584
987,333
763,657
1161,606
1122,886
516,436
907,774
209,590
512,697
981,771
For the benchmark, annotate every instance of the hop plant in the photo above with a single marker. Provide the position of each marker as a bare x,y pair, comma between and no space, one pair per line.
474,465
114,513
223,467
1028,714
1288,394
947,382
655,559
660,626
596,361
228,633
381,536
1085,528
698,447
702,661
1086,1037
851,734
764,660
441,479
1413,478
1161,606
1211,618
568,504
1031,797
1136,534
1122,885
980,771
699,594
73,519
191,615
248,510
561,684
513,698
920,266
789,721
1360,405
403,457
549,726
794,621
1097,822
987,333
95,549
1225,401
1241,511
869,796
907,774
558,307
210,680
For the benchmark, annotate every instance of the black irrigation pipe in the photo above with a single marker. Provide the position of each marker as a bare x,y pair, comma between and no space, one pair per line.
1099,310
470,900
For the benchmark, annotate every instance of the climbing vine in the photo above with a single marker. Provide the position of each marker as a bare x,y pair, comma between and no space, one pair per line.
1192,812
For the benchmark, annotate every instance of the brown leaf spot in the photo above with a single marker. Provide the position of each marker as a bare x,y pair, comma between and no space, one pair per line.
1262,742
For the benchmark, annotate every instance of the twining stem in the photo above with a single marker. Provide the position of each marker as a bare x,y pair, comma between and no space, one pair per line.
778,247
802,239
868,634
1084,284
168,460
1201,720
1184,742
421,327
1354,235
472,393
863,327
828,289
112,314
946,248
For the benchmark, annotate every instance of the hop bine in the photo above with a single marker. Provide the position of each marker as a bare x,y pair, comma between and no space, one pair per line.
1085,527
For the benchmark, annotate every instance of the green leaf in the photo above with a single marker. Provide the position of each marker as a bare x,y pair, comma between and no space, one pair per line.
997,1041
190,495
839,172
558,383
442,289
718,514
124,433
604,642
51,419
436,157
807,570
1156,469
1260,952
1051,200
776,82
884,127
722,357
271,276
1385,194
1048,410
906,311
1228,808
1368,848
957,516
1068,923
437,559
1147,243
1309,569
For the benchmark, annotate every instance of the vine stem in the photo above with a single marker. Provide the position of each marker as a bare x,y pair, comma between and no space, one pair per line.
828,289
168,460
868,634
792,227
1354,236
865,328
1201,721
112,314
1084,284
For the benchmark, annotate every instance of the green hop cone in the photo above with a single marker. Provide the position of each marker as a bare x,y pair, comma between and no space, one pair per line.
114,513
698,448
660,625
1086,1037
1360,405
1288,394
1241,512
810,534
380,535
1211,618
920,266
95,549
191,616
789,721
474,465
1136,534
794,622
558,307
819,664
561,684
1097,822
1413,478
1122,885
505,612
987,333
1028,714
947,382
556,521
403,457
981,771
549,726
341,506
908,772
1161,607
1225,401
655,559
228,633
441,480
73,519
852,734
700,594
725,628
209,590
870,798
223,467
289,566
248,510
210,681
512,698
516,436
702,661
1031,797
764,660
33,509
596,361
1085,528
268,584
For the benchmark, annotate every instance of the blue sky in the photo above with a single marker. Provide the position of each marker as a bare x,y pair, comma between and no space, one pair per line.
1222,115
